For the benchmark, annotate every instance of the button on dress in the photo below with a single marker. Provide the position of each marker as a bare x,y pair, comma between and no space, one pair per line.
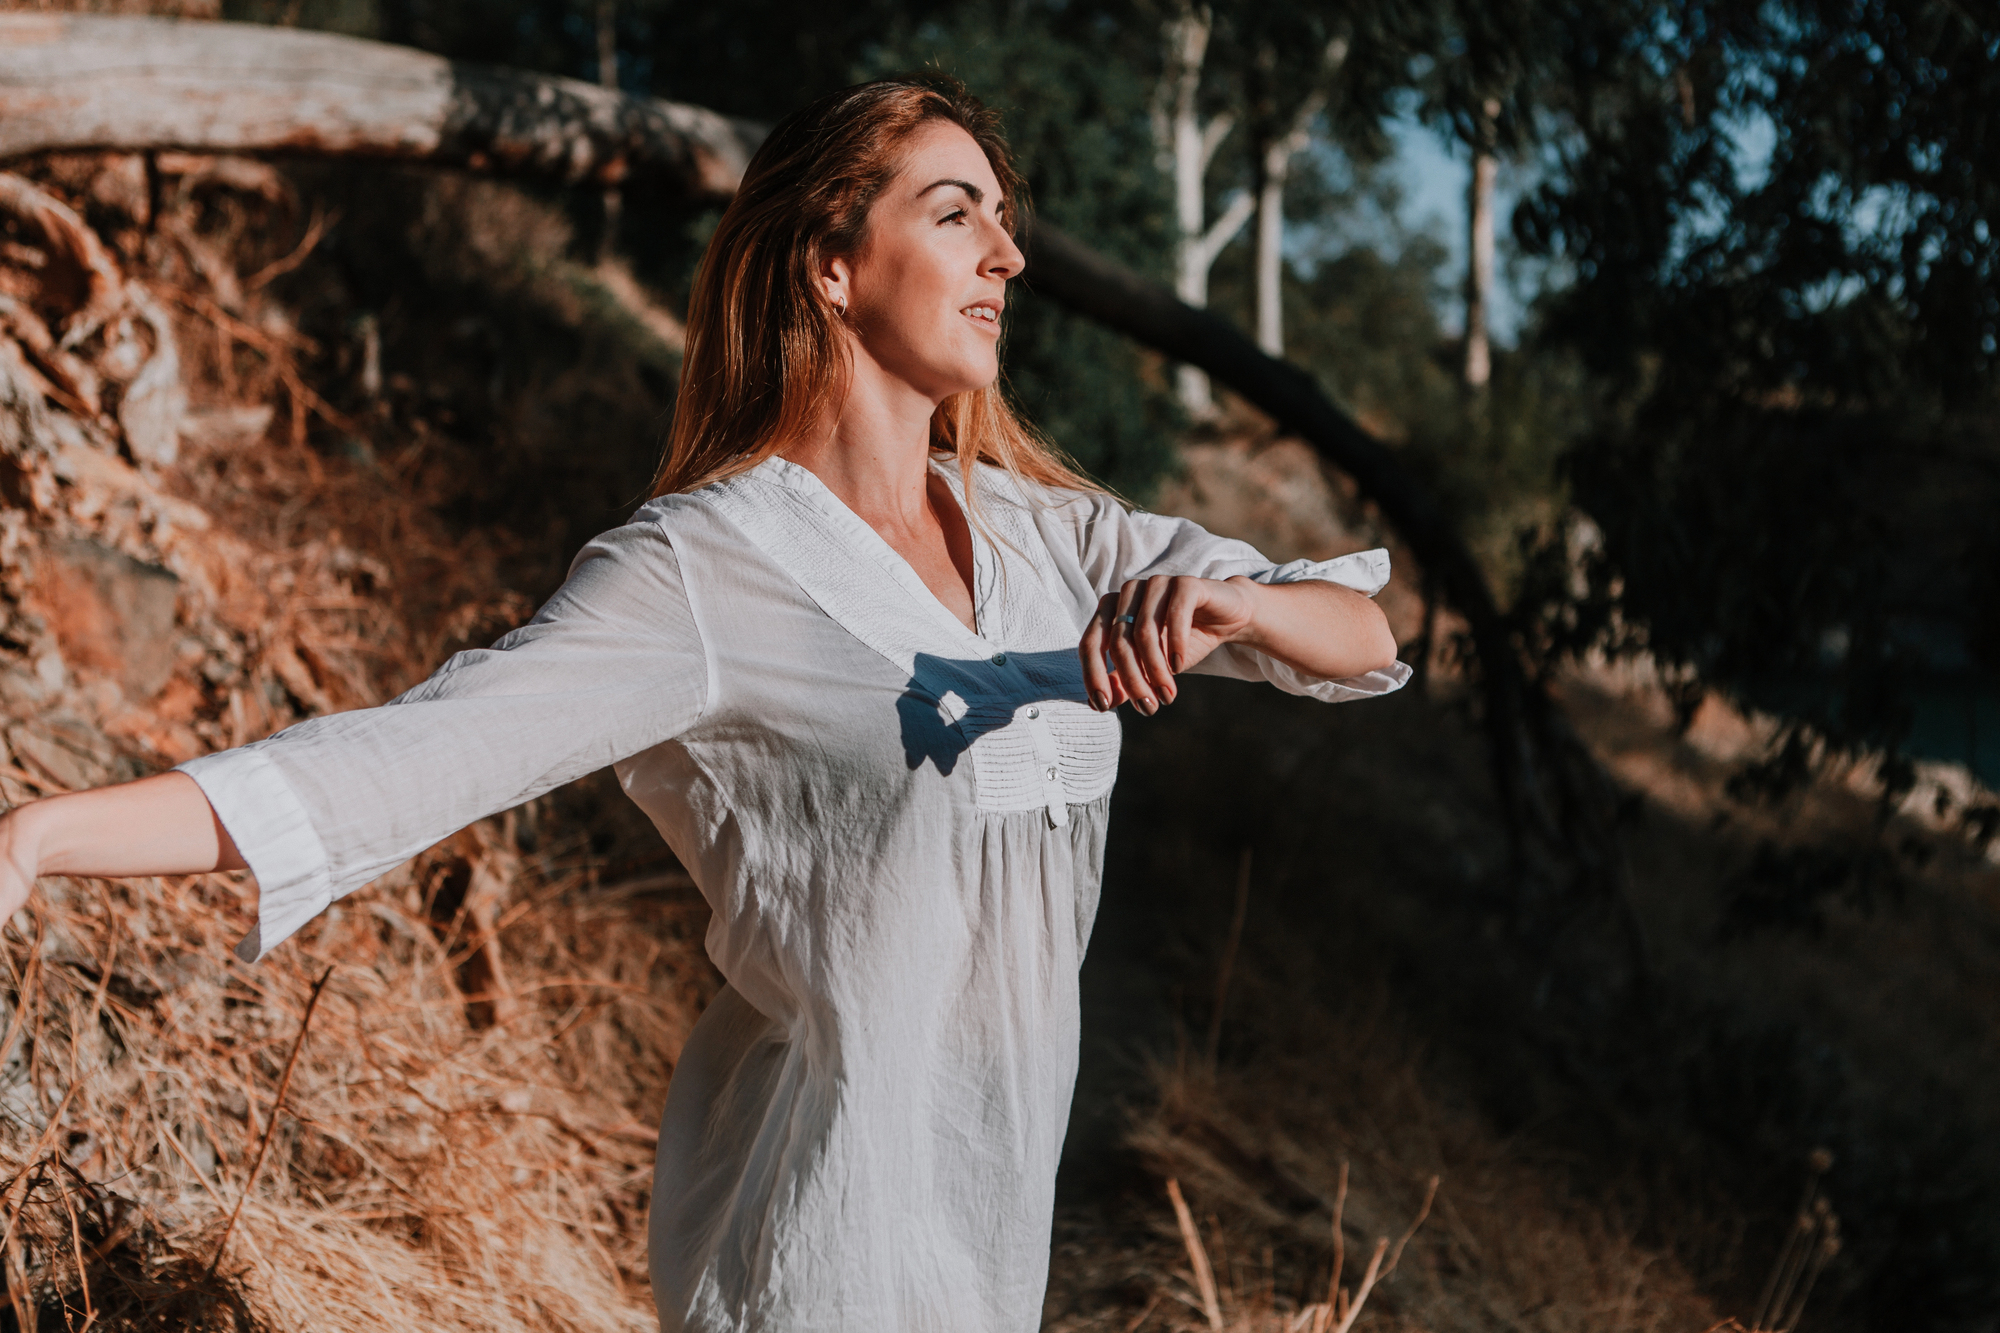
899,823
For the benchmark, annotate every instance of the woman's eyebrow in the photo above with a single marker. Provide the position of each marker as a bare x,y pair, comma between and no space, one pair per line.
977,195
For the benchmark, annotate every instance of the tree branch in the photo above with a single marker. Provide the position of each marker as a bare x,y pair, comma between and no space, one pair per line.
1224,229
1331,61
1213,134
132,84
1530,748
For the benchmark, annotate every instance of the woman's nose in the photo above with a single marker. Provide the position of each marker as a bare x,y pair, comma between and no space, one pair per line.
1005,260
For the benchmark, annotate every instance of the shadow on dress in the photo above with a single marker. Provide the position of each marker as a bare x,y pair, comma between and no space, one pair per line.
952,702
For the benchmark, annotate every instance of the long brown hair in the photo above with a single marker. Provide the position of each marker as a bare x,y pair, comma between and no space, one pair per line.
765,361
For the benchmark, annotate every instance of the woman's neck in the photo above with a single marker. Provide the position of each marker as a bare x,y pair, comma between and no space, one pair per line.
875,456
875,451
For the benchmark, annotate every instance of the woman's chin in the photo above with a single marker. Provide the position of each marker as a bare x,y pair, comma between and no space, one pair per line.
966,379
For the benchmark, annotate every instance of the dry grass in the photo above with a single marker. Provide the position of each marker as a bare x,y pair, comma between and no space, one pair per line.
1343,1304
462,1136
1272,1155
439,1161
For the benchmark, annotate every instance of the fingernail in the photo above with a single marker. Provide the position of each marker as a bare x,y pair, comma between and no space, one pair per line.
1148,707
1177,663
1098,701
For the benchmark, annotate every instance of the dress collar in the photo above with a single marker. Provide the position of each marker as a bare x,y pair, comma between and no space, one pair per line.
867,544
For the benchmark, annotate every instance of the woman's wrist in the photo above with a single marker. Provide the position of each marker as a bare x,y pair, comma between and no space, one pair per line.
21,838
162,825
1251,633
1314,626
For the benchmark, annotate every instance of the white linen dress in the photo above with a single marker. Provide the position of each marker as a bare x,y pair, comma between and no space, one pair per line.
899,823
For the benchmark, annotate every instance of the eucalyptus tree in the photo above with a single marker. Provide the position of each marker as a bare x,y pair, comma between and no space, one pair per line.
1488,87
1187,139
1313,72
1246,86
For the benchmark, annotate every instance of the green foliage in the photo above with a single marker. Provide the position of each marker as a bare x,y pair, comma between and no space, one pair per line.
1366,321
1859,264
1266,56
1796,488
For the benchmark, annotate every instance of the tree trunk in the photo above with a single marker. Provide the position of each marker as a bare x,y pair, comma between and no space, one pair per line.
1187,147
137,84
1274,167
1187,48
1269,256
1479,254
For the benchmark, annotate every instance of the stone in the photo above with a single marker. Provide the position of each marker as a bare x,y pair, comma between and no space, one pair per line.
111,614
228,426
151,408
70,753
23,689
50,671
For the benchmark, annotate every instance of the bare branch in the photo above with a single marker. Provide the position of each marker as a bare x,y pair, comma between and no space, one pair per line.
136,84
1213,134
1224,228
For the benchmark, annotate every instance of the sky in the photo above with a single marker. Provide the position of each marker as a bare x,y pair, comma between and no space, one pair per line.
1433,174
1433,177
1430,178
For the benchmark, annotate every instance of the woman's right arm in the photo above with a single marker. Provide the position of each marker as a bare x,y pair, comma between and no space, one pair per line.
161,825
612,665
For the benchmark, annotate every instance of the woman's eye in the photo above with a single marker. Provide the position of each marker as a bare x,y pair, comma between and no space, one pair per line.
956,215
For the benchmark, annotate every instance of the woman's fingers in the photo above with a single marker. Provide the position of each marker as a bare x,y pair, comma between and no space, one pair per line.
1090,654
1124,656
17,866
1149,638
1177,623
1142,636
1102,680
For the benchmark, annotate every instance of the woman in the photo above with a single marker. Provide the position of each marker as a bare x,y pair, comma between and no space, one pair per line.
857,660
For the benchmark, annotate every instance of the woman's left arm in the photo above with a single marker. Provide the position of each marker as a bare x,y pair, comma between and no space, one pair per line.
1153,628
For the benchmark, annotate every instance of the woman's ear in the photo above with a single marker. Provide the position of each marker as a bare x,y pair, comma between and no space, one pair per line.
836,278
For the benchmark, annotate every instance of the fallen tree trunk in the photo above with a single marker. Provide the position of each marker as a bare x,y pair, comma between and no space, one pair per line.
139,84
146,84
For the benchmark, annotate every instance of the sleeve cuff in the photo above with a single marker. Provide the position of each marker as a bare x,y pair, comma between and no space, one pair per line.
271,829
1367,572
1386,681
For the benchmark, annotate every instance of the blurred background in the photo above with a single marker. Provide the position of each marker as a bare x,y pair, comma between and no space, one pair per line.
1658,920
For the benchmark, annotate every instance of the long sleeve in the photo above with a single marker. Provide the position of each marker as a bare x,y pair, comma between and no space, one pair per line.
1116,545
613,664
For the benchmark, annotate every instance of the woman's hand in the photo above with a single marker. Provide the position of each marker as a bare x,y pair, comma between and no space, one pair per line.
1153,629
19,863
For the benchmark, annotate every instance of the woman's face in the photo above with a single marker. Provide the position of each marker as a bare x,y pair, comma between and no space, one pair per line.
925,290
